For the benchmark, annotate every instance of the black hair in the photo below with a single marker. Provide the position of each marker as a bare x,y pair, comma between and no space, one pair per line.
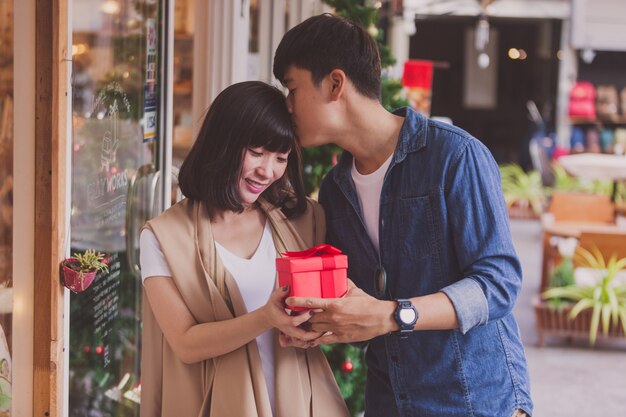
325,42
245,115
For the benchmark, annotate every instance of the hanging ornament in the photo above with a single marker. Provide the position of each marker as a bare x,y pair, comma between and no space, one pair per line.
372,30
347,366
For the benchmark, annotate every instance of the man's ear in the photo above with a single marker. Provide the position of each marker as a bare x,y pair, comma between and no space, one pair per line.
337,83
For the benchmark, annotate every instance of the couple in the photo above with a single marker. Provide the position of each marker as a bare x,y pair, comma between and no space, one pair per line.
415,204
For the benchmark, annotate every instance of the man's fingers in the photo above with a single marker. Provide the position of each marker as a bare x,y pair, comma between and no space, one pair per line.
327,339
307,302
298,333
320,327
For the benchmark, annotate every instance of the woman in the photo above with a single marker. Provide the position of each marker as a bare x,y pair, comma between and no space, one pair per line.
211,315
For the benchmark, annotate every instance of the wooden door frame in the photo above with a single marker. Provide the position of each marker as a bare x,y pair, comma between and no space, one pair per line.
51,88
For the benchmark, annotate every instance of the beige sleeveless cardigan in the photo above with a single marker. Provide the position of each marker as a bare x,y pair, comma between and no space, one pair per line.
231,385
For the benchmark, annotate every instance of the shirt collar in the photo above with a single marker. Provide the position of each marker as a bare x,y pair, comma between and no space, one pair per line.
412,138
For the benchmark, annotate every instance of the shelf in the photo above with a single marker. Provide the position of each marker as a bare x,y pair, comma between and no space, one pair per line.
617,120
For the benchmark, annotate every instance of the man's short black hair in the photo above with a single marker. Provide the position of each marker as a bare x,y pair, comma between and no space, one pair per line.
325,42
245,115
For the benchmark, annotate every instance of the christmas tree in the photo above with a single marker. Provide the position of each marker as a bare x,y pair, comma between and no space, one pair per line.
347,361
318,161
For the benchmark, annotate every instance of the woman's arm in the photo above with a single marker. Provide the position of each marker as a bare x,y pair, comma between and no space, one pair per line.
193,342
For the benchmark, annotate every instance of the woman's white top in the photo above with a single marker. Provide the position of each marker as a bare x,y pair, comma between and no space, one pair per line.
255,278
368,188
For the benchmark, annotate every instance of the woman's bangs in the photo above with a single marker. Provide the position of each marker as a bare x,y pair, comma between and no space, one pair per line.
274,138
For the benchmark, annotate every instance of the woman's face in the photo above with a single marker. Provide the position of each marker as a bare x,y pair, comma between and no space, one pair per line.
260,169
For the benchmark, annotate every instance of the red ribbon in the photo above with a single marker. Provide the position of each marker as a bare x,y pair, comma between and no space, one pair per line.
318,250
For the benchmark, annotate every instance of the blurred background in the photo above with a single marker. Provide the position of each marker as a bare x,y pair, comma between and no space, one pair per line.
542,83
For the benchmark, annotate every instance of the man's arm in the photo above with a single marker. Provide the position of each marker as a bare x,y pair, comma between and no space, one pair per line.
359,316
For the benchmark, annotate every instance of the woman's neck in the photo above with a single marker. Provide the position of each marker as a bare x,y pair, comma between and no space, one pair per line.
240,233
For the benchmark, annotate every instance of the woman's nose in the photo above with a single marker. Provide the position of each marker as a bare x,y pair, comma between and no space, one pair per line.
265,167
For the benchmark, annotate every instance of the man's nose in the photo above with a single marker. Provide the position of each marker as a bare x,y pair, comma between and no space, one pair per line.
289,102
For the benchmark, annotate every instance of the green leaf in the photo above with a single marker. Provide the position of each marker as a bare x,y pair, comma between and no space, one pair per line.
595,321
580,306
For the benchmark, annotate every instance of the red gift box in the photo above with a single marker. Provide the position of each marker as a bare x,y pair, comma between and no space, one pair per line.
317,272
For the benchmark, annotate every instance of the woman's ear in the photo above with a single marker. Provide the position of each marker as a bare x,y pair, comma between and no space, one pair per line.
337,83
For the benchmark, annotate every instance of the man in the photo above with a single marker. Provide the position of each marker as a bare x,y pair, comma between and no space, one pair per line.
417,207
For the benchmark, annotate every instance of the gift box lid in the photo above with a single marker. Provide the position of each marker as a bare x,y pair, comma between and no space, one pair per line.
318,258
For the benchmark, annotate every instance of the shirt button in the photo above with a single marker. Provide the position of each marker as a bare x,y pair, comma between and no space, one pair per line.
403,397
394,358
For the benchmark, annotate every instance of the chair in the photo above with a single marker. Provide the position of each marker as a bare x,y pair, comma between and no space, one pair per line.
608,244
573,207
589,208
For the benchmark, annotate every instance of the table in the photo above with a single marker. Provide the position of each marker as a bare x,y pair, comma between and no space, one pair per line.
595,166
574,229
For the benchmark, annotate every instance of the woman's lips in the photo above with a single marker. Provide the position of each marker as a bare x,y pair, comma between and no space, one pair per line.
254,186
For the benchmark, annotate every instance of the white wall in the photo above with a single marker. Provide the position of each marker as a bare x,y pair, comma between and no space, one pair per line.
599,24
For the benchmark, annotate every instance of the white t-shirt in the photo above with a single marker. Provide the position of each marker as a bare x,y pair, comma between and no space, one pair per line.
368,188
255,278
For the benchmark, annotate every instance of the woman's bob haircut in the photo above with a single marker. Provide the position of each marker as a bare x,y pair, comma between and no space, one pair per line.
245,115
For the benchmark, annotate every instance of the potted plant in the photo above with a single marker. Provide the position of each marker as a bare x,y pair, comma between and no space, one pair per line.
80,270
604,300
523,192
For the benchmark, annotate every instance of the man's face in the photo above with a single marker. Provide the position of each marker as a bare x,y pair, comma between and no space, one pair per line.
308,106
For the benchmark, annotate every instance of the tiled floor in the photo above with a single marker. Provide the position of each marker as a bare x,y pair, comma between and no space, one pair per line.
566,379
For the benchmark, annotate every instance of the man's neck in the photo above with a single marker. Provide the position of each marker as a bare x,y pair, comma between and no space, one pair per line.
372,135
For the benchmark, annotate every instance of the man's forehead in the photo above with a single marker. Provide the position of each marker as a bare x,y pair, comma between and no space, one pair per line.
294,73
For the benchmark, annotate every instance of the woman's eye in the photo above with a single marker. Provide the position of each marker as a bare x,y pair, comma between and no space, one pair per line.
282,160
255,153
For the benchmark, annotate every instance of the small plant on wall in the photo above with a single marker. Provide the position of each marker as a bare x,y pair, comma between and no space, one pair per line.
80,270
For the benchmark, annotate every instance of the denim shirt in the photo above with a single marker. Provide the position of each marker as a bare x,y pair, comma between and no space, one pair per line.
443,227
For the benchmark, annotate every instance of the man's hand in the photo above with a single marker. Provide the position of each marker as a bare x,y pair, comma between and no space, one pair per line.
354,318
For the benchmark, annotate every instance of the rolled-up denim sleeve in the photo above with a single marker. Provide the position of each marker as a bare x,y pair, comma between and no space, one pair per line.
469,302
491,275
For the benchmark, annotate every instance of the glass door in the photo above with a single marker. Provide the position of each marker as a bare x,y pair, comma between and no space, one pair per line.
117,141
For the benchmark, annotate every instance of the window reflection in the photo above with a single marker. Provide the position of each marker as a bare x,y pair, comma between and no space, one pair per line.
115,136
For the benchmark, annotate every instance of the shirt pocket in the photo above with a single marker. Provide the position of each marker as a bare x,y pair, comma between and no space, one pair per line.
416,231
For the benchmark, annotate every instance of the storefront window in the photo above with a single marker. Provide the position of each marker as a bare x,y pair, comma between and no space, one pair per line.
116,128
6,203
183,79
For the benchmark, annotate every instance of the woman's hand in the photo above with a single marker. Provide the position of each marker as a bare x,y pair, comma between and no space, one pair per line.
291,331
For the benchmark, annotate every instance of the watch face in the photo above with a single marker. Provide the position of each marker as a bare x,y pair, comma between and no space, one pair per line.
407,315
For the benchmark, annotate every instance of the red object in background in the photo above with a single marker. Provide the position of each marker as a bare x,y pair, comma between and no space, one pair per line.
317,272
582,101
559,151
347,366
417,79
418,73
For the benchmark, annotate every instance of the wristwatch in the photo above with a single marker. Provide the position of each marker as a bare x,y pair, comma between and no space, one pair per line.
406,316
